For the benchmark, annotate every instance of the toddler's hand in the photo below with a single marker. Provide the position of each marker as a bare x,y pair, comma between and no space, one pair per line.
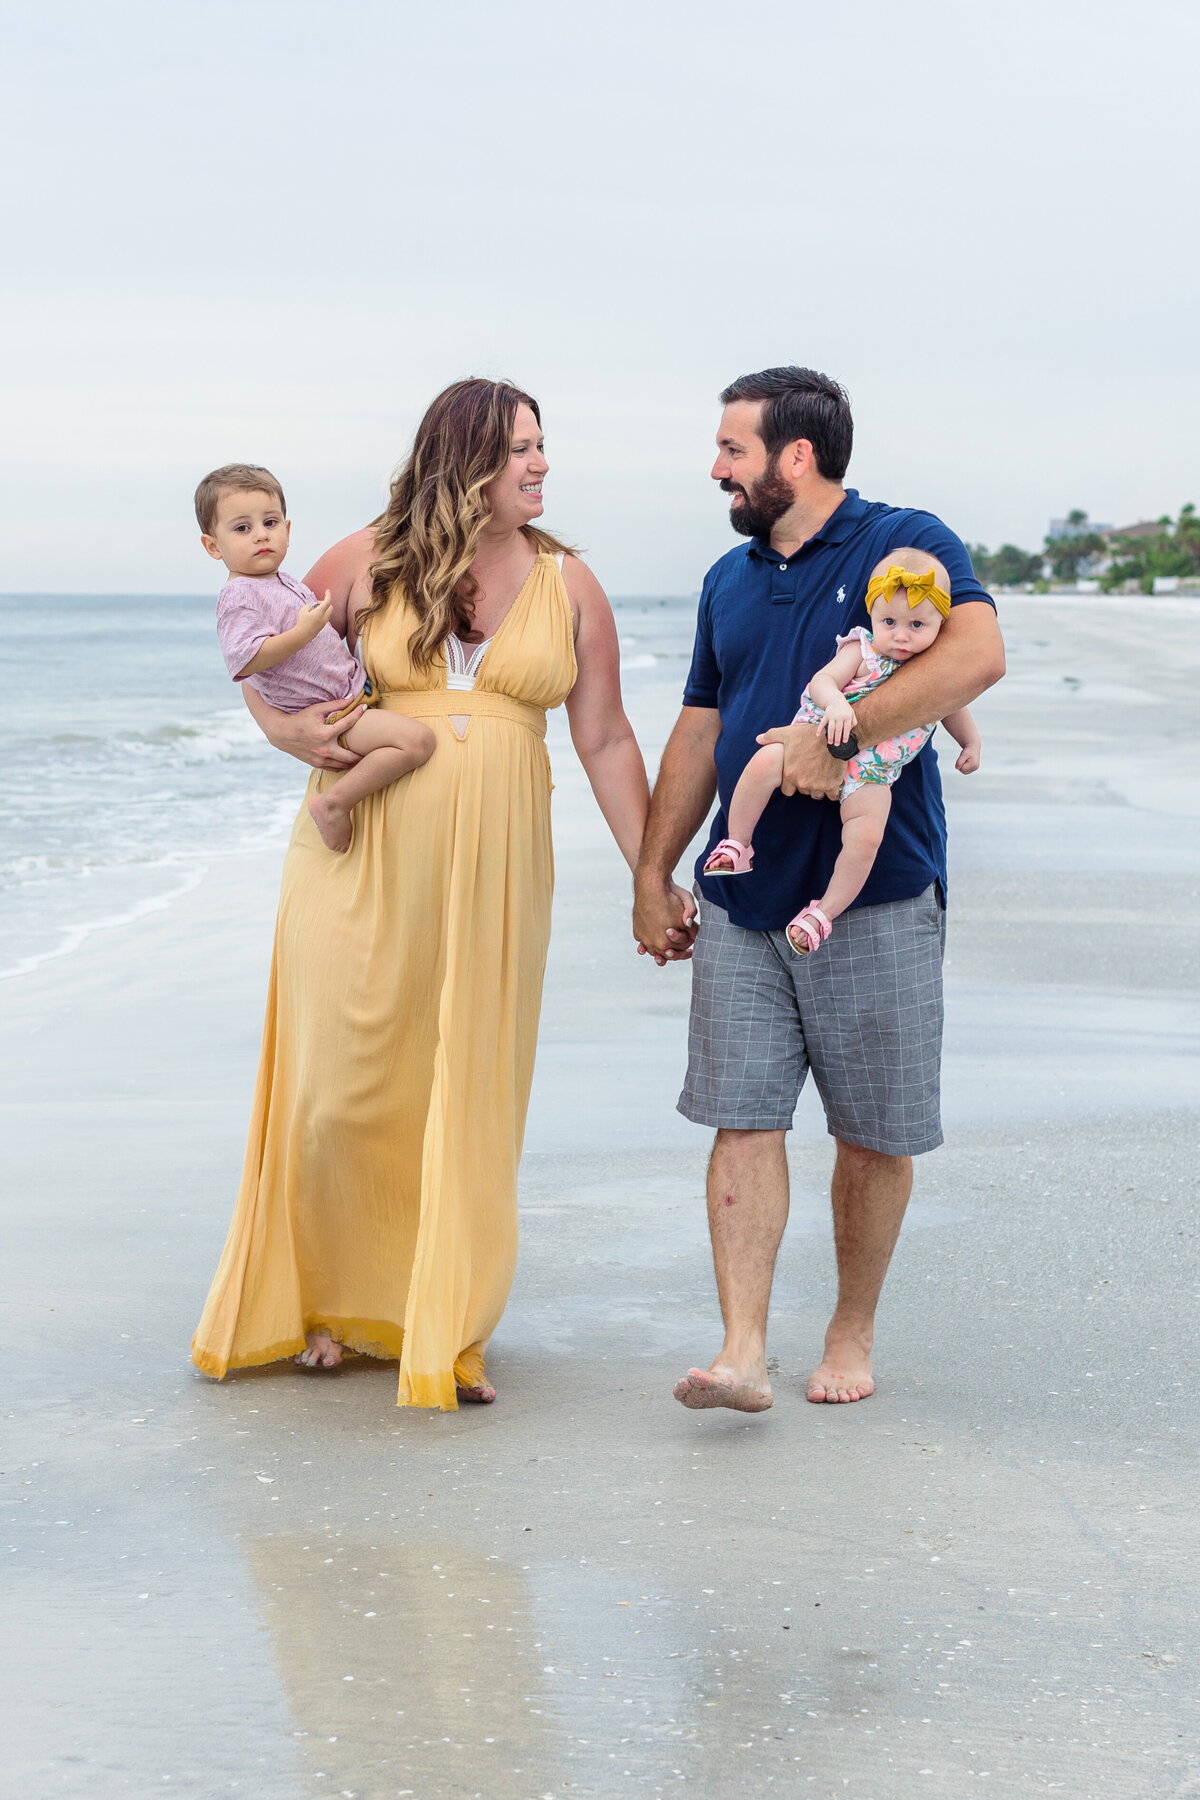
839,721
967,760
311,619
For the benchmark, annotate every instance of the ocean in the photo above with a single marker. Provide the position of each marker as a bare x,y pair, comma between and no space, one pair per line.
134,764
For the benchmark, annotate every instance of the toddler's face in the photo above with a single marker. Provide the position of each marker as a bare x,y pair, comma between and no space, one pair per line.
901,631
250,534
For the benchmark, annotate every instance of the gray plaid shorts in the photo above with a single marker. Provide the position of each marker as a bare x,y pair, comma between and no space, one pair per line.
864,1012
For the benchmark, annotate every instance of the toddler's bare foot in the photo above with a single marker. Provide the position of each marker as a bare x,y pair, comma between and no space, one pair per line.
323,1352
332,821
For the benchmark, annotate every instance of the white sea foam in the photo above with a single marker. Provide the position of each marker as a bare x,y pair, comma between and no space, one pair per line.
162,771
79,934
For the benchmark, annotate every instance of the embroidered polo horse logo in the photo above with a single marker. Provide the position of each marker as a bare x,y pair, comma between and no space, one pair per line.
841,596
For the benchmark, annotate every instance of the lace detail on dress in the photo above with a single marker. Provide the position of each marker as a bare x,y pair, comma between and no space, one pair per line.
462,663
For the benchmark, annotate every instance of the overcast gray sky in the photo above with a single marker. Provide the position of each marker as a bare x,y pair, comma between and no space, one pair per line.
273,231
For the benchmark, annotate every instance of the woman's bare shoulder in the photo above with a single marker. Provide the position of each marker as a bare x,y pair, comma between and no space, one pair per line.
581,585
343,563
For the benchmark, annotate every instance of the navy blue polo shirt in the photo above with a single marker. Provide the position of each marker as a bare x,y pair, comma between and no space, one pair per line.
766,624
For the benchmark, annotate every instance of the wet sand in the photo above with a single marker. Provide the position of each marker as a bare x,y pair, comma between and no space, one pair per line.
978,1583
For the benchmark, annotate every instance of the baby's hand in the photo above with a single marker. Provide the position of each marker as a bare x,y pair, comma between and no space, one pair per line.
311,619
839,721
967,760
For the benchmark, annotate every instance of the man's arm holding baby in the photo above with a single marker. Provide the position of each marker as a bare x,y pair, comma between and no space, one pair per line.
966,659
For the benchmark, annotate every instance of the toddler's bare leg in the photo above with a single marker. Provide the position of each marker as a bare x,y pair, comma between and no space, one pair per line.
864,819
390,745
756,783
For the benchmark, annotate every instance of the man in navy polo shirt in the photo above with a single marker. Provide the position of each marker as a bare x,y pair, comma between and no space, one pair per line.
864,1011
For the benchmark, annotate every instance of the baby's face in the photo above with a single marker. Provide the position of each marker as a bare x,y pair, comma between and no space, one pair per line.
250,534
901,631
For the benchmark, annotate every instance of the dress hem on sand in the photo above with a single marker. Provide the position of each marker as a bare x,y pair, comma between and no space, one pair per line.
364,1337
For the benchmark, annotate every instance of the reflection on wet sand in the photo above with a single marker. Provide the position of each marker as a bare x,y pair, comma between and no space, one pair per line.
409,1671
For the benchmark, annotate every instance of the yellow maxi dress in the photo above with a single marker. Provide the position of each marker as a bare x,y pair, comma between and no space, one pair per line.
378,1197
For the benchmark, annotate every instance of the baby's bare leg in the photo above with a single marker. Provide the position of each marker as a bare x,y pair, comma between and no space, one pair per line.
864,819
390,745
756,783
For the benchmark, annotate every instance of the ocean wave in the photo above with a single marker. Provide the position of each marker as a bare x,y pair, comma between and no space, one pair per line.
222,736
75,935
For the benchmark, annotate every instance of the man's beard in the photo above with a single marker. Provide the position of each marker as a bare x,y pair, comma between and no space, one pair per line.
763,502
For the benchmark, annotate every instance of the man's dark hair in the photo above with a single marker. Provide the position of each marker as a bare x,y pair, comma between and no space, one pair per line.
800,403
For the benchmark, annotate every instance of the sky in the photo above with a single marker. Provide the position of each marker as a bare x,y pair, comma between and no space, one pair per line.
272,232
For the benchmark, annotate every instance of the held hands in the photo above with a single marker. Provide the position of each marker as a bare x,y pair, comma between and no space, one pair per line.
664,921
839,721
311,619
808,768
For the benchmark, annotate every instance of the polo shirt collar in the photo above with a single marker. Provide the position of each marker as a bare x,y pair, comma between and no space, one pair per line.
836,529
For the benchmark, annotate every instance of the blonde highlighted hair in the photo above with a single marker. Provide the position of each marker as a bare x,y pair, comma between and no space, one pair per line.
427,536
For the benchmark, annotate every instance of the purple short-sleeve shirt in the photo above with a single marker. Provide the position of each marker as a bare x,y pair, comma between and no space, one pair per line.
252,608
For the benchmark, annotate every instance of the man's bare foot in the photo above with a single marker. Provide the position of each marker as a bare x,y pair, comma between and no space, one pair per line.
483,1395
702,1388
323,1352
844,1374
332,821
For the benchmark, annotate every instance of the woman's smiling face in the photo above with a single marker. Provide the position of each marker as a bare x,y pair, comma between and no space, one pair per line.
515,497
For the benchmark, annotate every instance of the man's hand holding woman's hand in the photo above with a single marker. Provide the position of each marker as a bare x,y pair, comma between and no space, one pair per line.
664,920
808,768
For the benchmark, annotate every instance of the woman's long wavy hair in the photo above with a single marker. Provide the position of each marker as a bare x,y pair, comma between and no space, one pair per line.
426,538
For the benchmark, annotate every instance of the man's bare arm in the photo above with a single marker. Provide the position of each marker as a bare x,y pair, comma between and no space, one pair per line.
683,793
967,658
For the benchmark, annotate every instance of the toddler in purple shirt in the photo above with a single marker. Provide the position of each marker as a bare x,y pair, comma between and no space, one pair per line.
276,634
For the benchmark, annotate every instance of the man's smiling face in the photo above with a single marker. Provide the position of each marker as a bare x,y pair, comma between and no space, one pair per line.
744,470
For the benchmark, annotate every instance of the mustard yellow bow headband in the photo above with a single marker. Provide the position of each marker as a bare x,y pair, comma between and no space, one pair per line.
918,588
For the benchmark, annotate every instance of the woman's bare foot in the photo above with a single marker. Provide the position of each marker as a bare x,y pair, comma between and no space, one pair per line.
718,1386
844,1374
332,821
323,1352
483,1395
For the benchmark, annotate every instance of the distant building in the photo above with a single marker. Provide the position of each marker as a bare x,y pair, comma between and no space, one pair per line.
1145,528
1069,528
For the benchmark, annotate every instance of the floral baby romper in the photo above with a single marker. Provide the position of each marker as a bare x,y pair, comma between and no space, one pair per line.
881,764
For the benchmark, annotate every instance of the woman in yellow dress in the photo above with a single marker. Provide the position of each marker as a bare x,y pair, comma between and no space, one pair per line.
377,1208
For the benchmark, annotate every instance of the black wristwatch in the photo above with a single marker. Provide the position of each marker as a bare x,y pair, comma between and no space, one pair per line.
845,751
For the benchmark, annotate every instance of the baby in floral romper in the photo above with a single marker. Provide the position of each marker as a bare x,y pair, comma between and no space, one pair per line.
908,597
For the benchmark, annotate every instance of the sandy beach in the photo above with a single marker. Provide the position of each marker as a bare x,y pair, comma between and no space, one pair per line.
978,1583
